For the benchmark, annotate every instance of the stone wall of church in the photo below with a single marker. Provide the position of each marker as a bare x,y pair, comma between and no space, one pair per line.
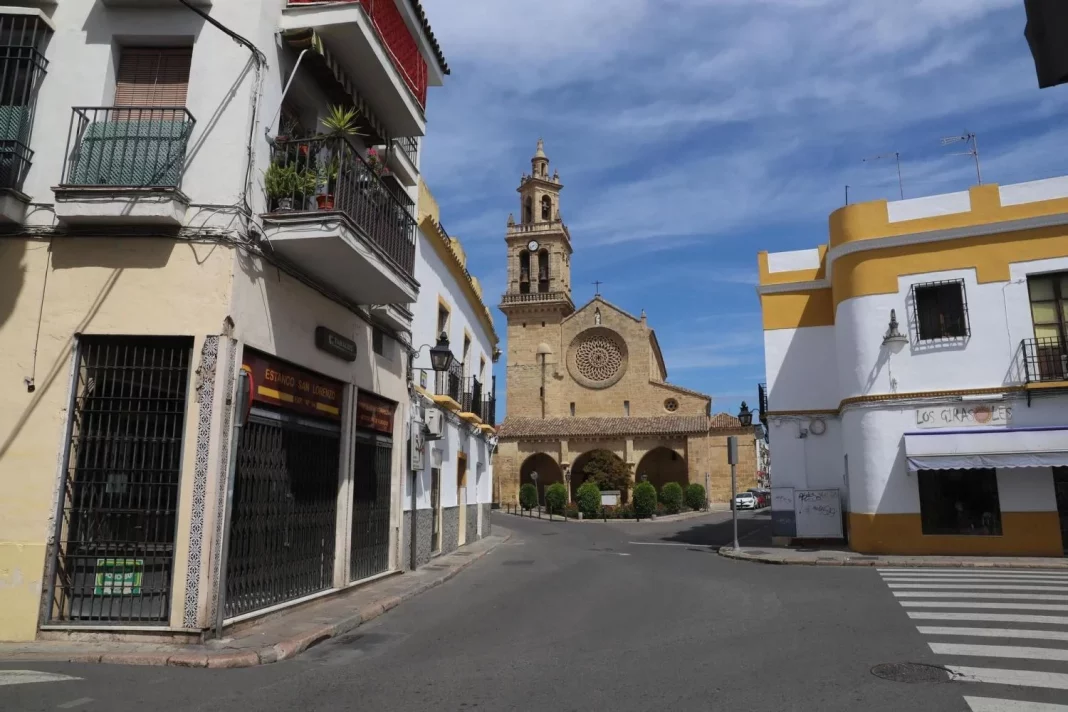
524,372
708,453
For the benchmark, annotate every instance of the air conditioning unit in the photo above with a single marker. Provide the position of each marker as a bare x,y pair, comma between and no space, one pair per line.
435,424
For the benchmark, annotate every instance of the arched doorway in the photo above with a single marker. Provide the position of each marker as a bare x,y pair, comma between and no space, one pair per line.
578,468
662,465
548,472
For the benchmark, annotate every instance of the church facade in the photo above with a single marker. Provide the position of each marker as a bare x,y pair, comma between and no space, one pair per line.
593,378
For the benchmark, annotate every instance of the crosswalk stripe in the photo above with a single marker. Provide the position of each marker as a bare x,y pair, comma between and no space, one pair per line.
989,617
972,574
1020,652
990,704
22,677
979,594
975,579
994,632
975,587
1019,678
978,572
984,604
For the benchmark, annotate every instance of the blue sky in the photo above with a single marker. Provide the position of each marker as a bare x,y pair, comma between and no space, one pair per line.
692,134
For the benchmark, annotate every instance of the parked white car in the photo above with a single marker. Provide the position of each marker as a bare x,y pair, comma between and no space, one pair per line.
745,500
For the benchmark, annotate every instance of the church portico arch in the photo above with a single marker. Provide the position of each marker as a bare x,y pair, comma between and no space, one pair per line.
662,465
548,469
578,465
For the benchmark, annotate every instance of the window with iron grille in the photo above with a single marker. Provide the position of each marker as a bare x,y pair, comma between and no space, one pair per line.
22,68
940,310
115,540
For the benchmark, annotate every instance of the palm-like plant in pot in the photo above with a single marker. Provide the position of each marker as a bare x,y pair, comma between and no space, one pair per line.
340,123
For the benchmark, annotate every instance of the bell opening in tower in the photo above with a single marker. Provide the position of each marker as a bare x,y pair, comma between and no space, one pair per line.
543,271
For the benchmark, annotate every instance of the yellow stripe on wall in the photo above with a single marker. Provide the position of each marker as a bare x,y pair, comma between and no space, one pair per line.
793,310
1023,534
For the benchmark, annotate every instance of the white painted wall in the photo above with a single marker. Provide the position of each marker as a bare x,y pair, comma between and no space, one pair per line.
800,369
810,462
793,260
929,207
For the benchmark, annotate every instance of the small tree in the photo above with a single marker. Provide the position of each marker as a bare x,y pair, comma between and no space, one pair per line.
528,496
695,497
588,499
607,471
644,499
671,497
556,498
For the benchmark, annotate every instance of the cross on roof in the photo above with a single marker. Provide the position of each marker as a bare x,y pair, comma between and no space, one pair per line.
597,285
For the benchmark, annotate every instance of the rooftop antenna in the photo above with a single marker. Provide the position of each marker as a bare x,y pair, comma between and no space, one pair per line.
973,142
897,157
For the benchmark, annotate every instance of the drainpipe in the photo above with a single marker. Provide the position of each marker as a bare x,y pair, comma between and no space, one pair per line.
240,414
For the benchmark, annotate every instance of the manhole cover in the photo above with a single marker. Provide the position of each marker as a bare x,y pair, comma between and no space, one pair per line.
910,672
518,562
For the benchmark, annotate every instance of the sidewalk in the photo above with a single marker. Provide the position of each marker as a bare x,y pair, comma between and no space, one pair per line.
278,637
843,557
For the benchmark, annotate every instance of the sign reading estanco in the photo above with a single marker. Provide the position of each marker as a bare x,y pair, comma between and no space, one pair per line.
282,384
964,416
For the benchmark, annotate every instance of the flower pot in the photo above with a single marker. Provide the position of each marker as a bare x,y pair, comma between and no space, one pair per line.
285,205
325,202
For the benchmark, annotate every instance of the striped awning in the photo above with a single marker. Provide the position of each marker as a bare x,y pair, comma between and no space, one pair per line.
306,38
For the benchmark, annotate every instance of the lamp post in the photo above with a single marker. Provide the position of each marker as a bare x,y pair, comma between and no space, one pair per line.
745,417
537,497
567,483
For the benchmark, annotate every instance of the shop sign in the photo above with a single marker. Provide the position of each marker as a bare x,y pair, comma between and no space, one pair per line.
291,387
374,413
118,577
335,344
964,416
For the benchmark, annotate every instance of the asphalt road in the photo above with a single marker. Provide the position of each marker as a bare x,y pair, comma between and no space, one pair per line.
570,616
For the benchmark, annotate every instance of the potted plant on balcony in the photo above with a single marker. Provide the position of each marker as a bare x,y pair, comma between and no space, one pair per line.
326,179
376,162
341,121
284,182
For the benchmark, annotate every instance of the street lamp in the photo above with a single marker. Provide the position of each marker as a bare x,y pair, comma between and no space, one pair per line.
441,357
567,482
745,415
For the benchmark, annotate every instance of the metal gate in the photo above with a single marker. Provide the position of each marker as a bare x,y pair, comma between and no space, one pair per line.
370,507
114,556
284,515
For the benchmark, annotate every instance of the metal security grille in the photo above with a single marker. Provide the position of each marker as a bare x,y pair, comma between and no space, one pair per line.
370,508
284,515
940,310
22,67
115,552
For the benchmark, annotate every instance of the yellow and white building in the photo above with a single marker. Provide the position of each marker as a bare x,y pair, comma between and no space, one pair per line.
946,431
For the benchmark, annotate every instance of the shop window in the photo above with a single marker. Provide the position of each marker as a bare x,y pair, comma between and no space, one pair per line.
940,310
956,502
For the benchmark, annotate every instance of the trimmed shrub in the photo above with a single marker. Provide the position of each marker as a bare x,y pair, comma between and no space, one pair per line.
671,497
695,497
588,499
555,498
644,499
528,496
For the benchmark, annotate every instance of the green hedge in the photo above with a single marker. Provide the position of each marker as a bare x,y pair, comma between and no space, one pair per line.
556,498
644,499
588,498
671,497
528,496
695,497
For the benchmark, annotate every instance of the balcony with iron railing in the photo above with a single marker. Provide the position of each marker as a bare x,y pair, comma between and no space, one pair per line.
1045,361
125,164
449,386
471,400
489,403
324,201
373,42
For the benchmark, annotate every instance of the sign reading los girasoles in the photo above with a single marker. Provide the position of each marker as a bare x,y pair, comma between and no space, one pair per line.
291,387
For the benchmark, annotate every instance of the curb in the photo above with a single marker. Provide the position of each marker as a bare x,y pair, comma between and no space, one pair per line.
666,519
729,553
282,650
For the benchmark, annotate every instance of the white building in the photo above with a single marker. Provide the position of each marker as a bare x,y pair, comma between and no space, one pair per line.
177,213
945,431
452,491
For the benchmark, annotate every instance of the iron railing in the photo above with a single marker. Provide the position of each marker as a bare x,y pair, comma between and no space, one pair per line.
127,147
1045,360
114,557
940,310
284,517
329,174
450,383
471,398
410,146
22,69
369,552
489,404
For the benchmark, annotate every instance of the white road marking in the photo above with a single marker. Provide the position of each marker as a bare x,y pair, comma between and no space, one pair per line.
980,604
22,677
977,572
990,704
999,651
974,574
975,587
664,543
1019,678
75,703
991,617
974,579
619,553
994,632
977,594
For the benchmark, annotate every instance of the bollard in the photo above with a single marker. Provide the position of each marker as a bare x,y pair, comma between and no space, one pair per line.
604,513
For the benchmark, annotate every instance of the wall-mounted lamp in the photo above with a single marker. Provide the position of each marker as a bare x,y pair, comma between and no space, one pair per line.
893,336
